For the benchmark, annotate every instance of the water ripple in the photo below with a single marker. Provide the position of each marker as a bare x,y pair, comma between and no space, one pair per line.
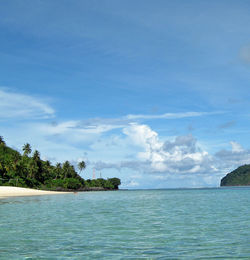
148,224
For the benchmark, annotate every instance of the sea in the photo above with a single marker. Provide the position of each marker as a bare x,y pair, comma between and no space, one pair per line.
209,223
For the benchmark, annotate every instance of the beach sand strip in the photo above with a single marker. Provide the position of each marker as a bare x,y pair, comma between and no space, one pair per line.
8,191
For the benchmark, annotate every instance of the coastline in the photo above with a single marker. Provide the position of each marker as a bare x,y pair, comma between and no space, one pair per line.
10,191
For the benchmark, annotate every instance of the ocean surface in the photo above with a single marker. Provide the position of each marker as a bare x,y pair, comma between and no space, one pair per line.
134,224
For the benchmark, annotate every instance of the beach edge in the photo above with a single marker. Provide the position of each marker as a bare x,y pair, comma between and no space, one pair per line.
10,191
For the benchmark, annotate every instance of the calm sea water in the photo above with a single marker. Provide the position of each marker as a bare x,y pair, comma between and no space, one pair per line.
143,224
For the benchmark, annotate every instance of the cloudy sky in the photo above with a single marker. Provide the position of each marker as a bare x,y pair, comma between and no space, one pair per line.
156,93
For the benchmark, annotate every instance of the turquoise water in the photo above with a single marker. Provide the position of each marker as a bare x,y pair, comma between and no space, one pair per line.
143,224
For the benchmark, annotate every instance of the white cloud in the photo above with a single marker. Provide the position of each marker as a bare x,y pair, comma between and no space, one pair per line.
230,159
74,130
236,147
142,135
16,105
181,155
166,163
170,115
145,151
132,118
77,130
179,161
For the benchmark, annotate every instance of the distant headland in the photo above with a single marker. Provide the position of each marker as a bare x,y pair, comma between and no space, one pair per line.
28,170
238,177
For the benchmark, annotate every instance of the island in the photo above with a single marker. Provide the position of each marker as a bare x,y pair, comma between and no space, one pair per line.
28,170
238,177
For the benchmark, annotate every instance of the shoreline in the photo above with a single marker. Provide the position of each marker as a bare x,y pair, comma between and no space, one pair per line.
10,191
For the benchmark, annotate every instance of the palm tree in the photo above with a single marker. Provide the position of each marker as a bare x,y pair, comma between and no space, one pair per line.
66,169
81,166
32,169
59,166
58,170
2,141
36,156
26,149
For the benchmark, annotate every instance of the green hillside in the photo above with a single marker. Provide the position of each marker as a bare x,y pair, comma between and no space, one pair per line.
238,177
30,171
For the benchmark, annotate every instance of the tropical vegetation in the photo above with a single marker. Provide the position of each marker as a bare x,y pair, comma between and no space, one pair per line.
238,177
29,170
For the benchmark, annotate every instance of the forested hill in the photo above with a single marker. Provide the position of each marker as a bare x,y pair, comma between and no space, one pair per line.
30,171
238,177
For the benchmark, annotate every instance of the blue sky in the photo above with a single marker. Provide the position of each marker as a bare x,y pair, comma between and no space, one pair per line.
153,92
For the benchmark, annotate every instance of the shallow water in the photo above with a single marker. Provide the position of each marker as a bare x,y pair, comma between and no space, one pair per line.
142,224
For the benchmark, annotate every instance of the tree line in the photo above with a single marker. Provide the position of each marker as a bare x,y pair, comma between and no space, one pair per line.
29,170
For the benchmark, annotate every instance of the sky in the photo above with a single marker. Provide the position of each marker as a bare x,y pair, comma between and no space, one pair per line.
155,93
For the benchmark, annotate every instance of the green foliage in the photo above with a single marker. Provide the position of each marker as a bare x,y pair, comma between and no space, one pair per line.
115,182
81,165
2,141
109,184
26,149
54,184
238,177
32,172
72,184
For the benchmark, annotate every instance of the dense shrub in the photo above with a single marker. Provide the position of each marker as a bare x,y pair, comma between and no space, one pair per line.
72,184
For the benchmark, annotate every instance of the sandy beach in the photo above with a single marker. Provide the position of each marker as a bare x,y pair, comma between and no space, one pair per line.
8,191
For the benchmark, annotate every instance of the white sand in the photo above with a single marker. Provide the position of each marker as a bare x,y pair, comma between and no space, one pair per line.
8,191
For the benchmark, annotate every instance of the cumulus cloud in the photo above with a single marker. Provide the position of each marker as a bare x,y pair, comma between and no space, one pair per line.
178,157
177,160
181,155
187,143
16,105
163,160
